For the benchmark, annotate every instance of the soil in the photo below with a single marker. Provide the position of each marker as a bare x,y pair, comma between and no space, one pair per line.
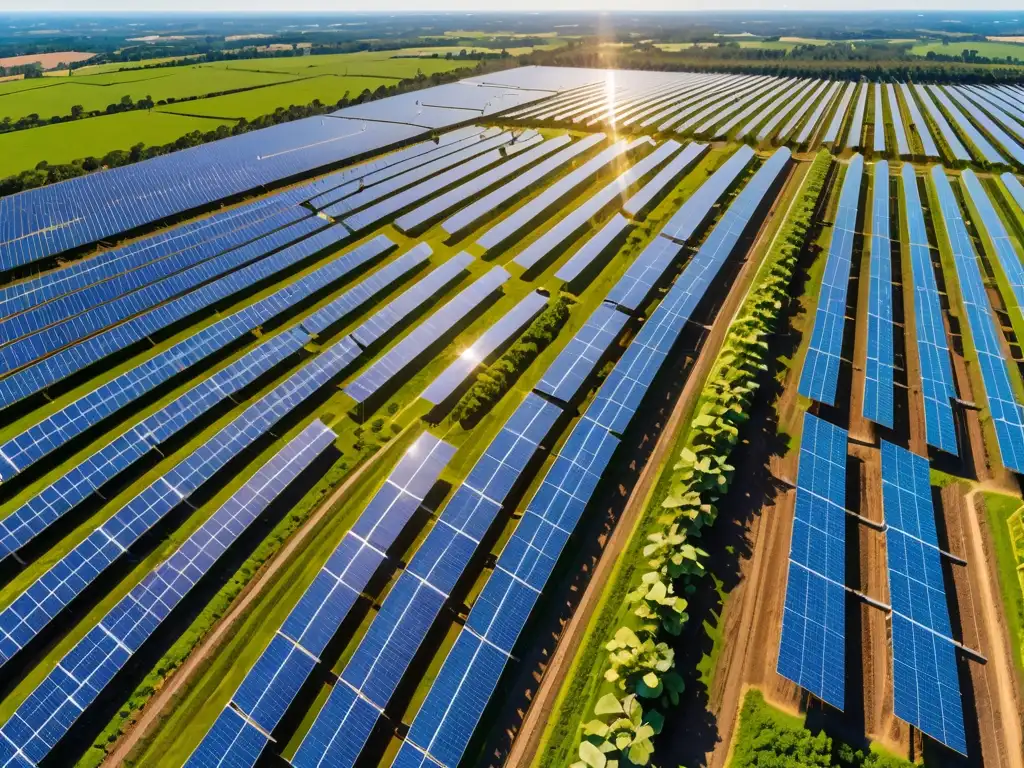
48,60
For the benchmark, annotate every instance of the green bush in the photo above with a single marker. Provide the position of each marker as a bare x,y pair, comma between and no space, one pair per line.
492,384
640,665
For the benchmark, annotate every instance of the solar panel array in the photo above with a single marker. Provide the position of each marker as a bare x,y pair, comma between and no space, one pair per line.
995,365
788,106
925,679
385,653
937,384
902,145
815,118
695,210
918,124
797,116
945,129
982,145
993,229
620,395
836,123
495,338
878,374
242,731
819,378
405,354
853,138
879,132
597,246
48,595
977,110
85,671
812,648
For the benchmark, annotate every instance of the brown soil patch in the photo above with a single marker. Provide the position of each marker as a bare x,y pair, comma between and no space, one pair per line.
48,60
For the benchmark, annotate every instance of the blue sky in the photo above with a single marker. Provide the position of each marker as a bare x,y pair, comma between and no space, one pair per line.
491,5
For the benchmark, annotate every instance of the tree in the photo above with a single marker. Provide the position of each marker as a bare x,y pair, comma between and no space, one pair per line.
77,111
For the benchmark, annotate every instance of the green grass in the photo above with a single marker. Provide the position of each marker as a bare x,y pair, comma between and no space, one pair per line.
64,142
987,49
999,509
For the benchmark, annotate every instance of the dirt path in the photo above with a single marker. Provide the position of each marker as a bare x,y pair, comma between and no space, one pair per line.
183,675
542,708
1009,730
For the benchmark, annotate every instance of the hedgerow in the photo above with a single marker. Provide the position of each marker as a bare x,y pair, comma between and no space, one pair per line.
640,674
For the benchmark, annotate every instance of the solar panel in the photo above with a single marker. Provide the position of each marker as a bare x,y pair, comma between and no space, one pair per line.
815,118
46,597
393,638
495,338
455,702
988,153
725,89
918,124
540,206
879,132
788,105
475,212
878,374
977,109
927,687
385,370
580,216
812,648
1007,416
695,210
997,236
644,197
429,212
648,269
598,246
576,363
57,430
716,109
832,132
802,110
1005,103
902,145
819,378
621,393
676,109
853,138
767,107
409,302
84,672
948,134
271,685
91,350
1003,112
937,384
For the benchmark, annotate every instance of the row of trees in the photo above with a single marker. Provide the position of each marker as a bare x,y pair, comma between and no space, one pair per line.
46,173
640,664
492,384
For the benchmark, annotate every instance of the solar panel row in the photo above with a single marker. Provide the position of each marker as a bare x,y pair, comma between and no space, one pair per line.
994,363
786,96
948,134
384,655
540,206
46,597
812,648
429,212
621,393
815,119
405,354
86,479
91,350
879,131
597,246
711,101
981,145
806,90
409,303
937,384
765,97
878,374
918,124
832,132
56,430
1007,117
995,232
474,213
495,338
977,109
802,110
644,197
82,675
242,732
925,680
819,378
716,109
902,145
580,216
853,138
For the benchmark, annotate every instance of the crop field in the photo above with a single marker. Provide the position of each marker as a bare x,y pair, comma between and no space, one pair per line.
349,442
987,49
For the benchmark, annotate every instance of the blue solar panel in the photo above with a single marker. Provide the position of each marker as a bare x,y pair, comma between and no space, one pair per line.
84,672
595,249
811,652
495,338
997,236
918,124
996,369
815,118
653,190
878,375
853,138
429,212
937,385
578,360
978,110
476,211
795,118
948,134
902,145
819,378
788,104
927,688
270,686
714,114
988,153
695,210
233,742
648,269
832,132
621,393
409,302
21,621
879,132
541,206
407,352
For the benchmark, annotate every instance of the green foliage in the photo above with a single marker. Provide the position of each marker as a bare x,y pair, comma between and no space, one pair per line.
766,739
492,384
640,664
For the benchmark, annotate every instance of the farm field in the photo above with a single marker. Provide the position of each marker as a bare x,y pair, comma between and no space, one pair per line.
373,443
988,49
